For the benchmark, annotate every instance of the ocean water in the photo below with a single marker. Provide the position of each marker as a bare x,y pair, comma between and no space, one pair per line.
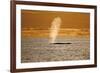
40,50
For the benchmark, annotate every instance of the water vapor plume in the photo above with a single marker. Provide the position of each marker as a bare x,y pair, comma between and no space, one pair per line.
54,29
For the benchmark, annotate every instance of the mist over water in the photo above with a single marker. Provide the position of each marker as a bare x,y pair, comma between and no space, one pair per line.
54,29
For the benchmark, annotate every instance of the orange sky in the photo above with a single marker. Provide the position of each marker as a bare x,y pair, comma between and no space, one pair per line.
43,19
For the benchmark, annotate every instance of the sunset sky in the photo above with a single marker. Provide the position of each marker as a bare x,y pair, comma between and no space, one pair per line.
42,19
70,23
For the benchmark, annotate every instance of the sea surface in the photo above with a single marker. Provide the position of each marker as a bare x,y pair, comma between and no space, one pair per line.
40,50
